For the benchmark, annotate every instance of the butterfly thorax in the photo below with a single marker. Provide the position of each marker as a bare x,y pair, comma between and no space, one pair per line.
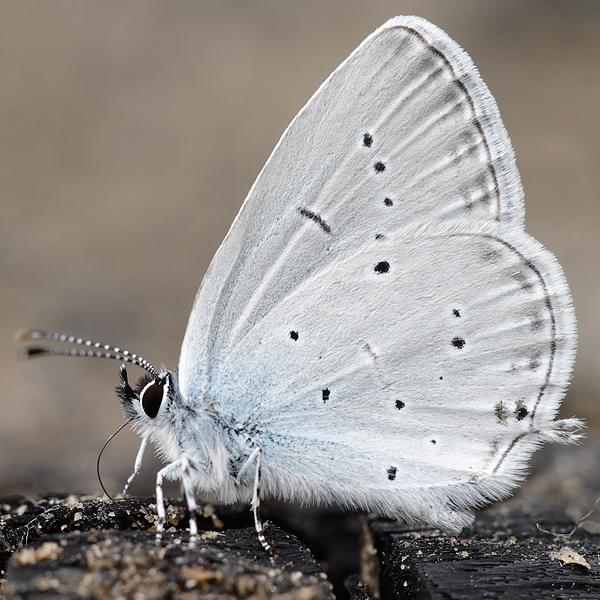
217,450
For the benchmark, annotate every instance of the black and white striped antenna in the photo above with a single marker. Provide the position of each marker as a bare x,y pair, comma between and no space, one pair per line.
95,349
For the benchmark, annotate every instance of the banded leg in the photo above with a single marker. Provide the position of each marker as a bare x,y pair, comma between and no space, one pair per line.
247,463
188,488
256,505
137,466
183,465
160,501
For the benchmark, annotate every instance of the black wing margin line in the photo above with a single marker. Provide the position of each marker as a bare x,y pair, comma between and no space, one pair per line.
476,121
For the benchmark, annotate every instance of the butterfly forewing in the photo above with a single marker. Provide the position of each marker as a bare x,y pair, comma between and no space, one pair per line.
403,131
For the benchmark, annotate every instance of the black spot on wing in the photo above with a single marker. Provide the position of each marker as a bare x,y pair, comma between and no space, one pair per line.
294,335
367,140
379,167
458,342
391,473
400,404
388,202
382,267
326,394
521,411
456,312
309,214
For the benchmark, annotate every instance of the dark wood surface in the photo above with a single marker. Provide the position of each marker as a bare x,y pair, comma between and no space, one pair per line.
504,555
72,548
50,543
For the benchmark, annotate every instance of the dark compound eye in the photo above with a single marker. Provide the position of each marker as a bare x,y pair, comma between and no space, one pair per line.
152,398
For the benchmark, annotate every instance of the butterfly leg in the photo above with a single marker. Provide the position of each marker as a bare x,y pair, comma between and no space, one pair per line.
182,465
255,457
248,463
138,464
160,501
256,506
190,498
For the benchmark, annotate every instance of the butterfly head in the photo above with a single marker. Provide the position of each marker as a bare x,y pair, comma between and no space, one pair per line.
143,404
149,399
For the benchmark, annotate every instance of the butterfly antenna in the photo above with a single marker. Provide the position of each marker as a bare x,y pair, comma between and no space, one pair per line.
99,350
108,441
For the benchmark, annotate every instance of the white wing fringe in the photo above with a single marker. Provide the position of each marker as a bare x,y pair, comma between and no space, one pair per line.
565,431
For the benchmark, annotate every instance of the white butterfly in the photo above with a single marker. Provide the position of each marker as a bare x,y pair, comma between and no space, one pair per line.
377,330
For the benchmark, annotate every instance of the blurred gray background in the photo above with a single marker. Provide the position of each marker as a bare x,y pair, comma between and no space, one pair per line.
130,133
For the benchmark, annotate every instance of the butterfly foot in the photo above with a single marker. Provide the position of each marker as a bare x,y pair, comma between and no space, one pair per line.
273,556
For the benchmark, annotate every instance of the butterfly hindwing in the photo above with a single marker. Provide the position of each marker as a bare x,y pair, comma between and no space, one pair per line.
393,354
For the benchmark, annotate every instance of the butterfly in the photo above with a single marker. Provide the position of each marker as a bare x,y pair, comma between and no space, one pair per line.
376,330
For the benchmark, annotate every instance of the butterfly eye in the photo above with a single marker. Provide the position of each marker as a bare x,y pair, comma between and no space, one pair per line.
152,397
